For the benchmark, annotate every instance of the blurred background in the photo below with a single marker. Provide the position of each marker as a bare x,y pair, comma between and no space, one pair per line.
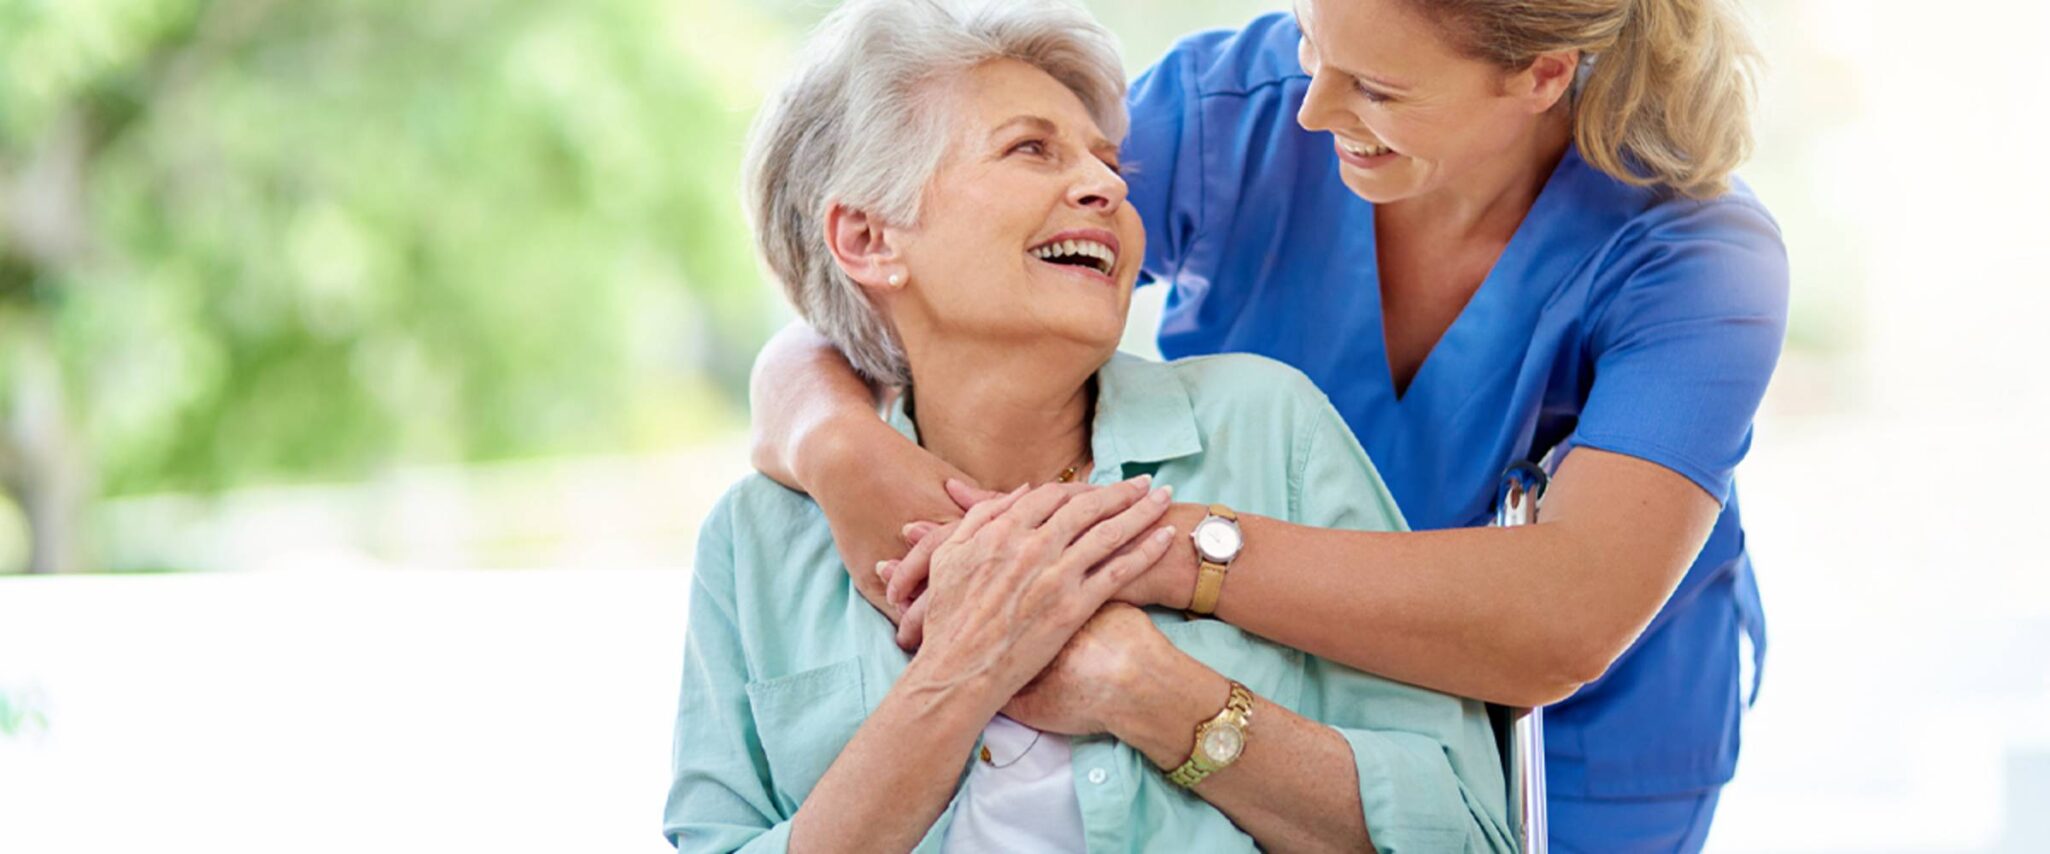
366,366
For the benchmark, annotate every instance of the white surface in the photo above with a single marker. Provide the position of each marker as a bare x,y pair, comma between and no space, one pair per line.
341,711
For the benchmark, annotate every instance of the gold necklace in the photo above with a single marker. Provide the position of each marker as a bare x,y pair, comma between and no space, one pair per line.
1068,474
986,760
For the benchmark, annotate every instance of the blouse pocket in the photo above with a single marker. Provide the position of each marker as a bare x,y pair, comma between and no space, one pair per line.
804,720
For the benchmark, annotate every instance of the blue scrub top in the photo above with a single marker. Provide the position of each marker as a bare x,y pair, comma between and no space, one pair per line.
1617,318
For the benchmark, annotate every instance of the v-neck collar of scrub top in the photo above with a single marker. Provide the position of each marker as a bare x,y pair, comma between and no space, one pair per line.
1143,416
1491,306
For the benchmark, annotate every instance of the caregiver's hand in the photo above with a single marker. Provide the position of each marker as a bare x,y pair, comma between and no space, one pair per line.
1020,574
1085,688
869,494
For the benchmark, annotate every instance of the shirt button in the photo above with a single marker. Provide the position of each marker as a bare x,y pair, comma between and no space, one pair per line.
1098,775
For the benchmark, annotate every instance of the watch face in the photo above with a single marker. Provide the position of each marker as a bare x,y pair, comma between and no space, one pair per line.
1217,539
1223,742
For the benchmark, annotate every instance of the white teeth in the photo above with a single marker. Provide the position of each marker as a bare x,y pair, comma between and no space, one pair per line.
1102,254
1361,150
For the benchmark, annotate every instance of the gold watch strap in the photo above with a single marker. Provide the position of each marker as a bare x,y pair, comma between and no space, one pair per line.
1209,584
1238,709
1210,575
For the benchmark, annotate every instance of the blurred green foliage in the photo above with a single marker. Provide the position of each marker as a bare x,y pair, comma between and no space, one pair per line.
21,712
292,240
258,241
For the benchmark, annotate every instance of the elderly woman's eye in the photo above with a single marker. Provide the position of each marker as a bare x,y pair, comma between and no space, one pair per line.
1030,146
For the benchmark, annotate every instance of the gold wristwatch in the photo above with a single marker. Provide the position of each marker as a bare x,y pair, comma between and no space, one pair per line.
1218,541
1219,741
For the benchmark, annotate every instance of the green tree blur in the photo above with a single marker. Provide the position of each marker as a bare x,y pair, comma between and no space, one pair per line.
258,241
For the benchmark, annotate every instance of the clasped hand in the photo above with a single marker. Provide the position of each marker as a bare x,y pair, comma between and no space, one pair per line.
1015,598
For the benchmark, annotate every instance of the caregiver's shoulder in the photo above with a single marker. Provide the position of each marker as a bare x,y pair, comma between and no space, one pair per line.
1226,61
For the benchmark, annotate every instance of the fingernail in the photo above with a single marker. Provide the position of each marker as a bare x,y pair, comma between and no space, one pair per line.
1161,495
883,569
1164,534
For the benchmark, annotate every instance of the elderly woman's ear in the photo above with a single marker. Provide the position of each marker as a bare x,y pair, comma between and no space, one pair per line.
863,248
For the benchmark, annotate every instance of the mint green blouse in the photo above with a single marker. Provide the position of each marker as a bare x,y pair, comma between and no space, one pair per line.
783,658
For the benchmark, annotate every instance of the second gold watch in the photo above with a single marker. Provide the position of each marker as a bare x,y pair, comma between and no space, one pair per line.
1218,542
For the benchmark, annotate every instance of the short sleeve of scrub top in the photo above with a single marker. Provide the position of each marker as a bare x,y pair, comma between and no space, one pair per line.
1683,349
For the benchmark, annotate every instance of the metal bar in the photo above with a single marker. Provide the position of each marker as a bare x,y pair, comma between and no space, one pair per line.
1523,485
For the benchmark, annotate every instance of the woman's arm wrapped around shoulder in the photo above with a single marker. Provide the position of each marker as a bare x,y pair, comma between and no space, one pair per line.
1519,616
816,430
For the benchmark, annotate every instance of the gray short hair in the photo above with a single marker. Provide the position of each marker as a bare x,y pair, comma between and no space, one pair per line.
854,126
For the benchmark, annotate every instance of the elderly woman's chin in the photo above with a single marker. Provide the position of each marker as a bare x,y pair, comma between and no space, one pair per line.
1087,312
1076,332
1078,310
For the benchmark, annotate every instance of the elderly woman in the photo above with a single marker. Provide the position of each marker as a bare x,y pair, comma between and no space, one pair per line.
938,189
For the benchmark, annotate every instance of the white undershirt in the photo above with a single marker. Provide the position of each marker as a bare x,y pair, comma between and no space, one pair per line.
1026,806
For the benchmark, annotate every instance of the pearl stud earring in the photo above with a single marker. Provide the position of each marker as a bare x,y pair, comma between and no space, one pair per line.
896,280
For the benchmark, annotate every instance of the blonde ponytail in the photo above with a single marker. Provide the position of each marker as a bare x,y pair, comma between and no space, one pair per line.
1668,100
1669,104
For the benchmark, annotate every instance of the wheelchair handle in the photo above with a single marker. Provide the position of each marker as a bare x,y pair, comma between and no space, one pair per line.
1516,502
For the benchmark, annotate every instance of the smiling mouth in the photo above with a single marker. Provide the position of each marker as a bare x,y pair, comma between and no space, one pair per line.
1360,149
1087,254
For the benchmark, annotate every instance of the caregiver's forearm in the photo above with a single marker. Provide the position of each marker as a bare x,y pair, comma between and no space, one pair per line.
800,390
1293,789
1520,616
897,774
1458,611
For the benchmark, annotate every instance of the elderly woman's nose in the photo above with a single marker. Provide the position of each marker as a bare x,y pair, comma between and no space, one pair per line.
1099,189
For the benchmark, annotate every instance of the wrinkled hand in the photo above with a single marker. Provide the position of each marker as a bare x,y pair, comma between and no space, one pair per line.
1080,692
1013,581
1168,581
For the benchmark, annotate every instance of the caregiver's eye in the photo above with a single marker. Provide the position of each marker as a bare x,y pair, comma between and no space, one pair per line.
1371,95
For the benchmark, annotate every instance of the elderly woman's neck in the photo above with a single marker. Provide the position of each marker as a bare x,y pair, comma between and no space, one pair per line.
1017,425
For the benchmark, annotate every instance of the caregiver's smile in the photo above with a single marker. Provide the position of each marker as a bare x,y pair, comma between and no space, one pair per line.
1409,114
1364,155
